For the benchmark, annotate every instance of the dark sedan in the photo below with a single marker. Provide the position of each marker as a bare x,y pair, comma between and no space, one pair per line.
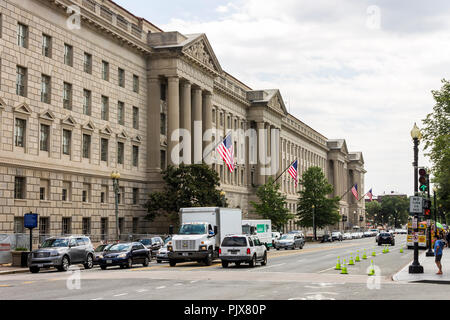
99,252
125,255
154,244
386,238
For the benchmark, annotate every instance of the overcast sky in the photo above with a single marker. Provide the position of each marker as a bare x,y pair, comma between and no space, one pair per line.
358,70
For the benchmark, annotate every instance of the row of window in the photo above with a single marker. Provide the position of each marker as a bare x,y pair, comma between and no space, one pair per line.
21,89
44,143
20,192
47,48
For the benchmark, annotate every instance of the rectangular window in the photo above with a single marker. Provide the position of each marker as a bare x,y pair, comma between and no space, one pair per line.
44,190
135,156
104,149
86,193
19,225
135,83
21,81
121,195
163,91
121,225
19,188
104,228
136,118
213,115
68,55
163,124
135,224
135,196
121,113
19,133
87,63
66,191
44,226
104,194
67,96
163,159
105,108
66,226
86,146
46,46
87,102
22,35
121,76
120,152
45,88
86,226
44,141
105,70
67,137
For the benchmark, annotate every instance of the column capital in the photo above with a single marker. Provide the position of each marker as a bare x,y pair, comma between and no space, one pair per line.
173,78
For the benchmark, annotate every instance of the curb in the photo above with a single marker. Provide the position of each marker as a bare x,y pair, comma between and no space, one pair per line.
14,271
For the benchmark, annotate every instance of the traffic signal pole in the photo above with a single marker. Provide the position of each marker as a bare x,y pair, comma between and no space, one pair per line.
430,252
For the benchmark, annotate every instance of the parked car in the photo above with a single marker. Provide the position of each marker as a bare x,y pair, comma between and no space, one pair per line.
61,252
154,244
162,254
337,236
367,234
242,249
386,238
275,236
125,255
99,251
347,236
355,235
327,238
291,241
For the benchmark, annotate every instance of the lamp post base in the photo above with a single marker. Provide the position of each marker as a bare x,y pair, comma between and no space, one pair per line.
430,253
415,269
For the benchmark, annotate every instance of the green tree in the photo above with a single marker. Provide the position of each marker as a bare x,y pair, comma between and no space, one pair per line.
373,210
394,210
185,186
272,204
314,201
436,136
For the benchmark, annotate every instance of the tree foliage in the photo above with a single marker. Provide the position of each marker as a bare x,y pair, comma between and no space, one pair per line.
392,211
315,193
272,204
436,136
185,186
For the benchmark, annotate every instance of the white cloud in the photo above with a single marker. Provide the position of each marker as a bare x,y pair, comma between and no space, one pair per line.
342,78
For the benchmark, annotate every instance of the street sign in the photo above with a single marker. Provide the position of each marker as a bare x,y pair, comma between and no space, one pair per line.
415,237
415,205
30,220
414,223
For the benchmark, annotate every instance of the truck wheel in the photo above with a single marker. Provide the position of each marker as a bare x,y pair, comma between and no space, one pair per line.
34,269
172,263
208,259
225,264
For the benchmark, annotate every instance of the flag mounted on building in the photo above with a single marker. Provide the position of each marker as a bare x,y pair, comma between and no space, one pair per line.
355,191
225,149
370,194
294,172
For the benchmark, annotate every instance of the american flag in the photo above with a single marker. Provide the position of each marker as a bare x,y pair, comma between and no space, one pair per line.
355,191
370,194
225,149
293,171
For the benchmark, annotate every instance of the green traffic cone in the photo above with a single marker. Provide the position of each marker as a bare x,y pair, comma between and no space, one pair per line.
387,249
374,254
344,268
384,249
372,270
338,265
357,259
364,255
351,262
401,250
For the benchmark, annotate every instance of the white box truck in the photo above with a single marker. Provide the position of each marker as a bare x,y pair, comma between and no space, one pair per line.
201,233
261,228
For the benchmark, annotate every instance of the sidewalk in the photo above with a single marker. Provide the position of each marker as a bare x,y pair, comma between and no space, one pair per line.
429,270
7,269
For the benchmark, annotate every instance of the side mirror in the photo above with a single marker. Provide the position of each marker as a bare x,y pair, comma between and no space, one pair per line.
215,230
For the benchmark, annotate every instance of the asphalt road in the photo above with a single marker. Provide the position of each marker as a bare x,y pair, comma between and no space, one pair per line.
306,274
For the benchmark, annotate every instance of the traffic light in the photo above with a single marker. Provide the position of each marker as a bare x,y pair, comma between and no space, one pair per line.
423,180
426,204
427,212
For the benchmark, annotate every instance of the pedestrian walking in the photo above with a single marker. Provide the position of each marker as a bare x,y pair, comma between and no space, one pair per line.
438,249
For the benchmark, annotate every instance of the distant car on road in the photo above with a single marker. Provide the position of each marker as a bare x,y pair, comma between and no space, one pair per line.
327,238
125,255
347,236
386,238
275,236
290,241
153,243
61,252
337,236
242,249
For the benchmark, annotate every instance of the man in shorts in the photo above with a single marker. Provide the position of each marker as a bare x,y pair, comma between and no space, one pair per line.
438,248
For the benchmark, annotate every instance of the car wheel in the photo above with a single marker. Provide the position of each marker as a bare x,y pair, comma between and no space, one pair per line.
264,262
34,269
146,262
379,243
238,264
252,263
158,261
103,267
129,263
89,262
301,247
65,263
278,249
225,264
172,263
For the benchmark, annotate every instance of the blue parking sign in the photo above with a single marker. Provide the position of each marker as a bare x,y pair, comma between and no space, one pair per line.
30,220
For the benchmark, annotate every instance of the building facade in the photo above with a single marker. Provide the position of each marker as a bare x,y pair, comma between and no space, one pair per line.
88,88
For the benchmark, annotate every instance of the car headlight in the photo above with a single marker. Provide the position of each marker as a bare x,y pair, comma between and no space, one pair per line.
122,255
170,248
203,248
54,254
100,256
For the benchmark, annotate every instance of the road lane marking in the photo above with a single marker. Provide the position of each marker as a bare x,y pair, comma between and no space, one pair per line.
142,290
120,295
97,299
28,282
5,285
275,265
162,287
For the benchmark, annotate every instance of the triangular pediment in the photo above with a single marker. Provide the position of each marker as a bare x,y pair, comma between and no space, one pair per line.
106,130
200,50
47,115
89,126
123,135
277,103
23,108
69,121
137,139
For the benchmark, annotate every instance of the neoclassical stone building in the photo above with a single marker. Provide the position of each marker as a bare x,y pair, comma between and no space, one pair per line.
88,88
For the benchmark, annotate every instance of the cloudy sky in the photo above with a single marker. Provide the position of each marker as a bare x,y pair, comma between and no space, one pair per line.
354,69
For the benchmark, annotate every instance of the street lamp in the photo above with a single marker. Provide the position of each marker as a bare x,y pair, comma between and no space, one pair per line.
415,267
115,176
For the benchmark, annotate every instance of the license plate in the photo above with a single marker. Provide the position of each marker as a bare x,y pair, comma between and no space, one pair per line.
108,261
40,265
184,254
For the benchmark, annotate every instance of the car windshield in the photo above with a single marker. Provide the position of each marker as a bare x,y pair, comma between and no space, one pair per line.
192,229
234,242
55,243
120,247
101,248
167,240
146,242
287,237
385,234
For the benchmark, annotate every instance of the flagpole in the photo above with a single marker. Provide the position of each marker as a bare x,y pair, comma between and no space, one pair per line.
346,193
221,140
284,171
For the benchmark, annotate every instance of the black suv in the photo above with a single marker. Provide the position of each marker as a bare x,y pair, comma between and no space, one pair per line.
61,252
386,238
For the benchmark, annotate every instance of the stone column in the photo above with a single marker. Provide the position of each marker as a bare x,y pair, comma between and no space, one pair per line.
186,120
261,152
197,143
173,117
207,124
153,124
336,178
